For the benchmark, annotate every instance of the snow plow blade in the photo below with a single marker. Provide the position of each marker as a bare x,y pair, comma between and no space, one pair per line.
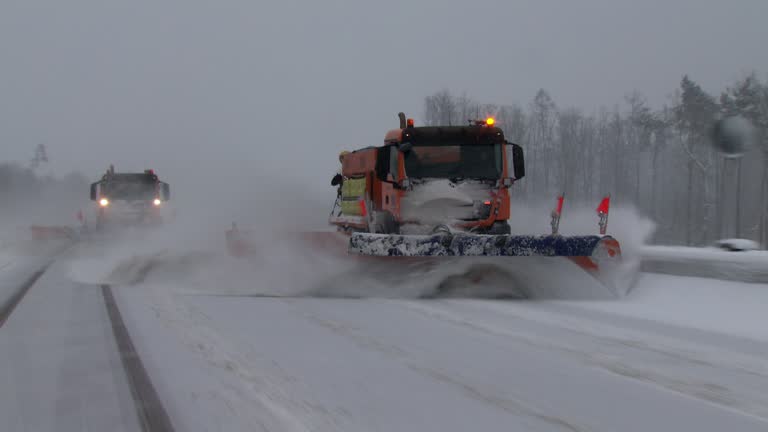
597,257
483,245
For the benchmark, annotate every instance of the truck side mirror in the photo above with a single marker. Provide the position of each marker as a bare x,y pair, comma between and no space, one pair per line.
93,191
517,158
405,147
166,192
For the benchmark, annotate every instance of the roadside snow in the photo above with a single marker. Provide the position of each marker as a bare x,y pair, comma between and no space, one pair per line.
734,308
712,254
748,266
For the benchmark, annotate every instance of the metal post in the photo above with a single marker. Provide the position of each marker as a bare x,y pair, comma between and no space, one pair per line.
738,199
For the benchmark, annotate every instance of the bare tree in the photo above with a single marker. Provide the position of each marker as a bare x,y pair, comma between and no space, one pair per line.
661,159
543,119
514,122
641,125
694,114
571,148
440,109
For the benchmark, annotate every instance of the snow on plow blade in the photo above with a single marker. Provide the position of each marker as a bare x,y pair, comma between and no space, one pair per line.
597,257
483,245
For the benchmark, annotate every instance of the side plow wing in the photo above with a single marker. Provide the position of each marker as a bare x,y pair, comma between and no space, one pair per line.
245,242
42,232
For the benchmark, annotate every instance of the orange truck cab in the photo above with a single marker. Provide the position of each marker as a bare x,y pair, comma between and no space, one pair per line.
428,179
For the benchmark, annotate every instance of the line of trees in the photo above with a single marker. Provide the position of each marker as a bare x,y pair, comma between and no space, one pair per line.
27,196
660,160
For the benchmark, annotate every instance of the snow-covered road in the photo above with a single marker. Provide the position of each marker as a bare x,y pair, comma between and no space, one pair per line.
59,363
240,363
677,354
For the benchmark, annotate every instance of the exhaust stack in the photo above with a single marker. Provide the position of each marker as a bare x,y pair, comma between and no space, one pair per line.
401,116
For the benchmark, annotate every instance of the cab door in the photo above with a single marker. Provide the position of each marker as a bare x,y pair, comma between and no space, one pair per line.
390,194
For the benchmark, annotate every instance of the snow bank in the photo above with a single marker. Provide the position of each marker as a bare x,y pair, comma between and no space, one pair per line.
734,308
747,266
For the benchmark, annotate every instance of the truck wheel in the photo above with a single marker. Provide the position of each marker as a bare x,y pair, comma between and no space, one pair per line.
500,228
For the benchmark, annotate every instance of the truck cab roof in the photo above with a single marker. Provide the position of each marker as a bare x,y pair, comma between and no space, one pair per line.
446,135
131,177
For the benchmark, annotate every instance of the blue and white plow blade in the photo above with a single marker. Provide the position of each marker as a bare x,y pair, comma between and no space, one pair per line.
445,244
587,266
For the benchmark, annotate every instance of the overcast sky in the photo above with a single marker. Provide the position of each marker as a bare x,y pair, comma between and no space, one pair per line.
260,86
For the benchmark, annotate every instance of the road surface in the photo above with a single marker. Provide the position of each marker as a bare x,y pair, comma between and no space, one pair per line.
223,362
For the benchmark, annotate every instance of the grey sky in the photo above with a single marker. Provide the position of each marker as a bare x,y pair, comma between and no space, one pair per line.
257,86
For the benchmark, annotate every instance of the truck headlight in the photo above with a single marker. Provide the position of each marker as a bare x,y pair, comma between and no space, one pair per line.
482,209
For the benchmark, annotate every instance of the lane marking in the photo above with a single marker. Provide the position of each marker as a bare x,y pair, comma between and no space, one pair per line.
152,416
7,309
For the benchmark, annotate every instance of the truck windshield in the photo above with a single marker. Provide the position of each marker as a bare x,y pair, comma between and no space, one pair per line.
454,162
131,188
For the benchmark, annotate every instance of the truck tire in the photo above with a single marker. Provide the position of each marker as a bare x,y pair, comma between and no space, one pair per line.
500,228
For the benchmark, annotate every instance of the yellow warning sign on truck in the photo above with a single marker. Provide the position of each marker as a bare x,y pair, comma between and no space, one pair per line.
352,193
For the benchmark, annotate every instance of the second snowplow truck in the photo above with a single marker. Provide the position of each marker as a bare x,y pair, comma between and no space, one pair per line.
127,199
445,191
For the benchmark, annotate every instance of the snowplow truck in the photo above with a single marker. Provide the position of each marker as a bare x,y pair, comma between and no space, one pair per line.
445,191
130,198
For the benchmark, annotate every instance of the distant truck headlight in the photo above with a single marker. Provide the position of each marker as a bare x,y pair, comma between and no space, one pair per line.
157,202
104,202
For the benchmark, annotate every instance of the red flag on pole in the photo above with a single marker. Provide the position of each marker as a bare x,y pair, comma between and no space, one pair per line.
556,214
602,212
560,204
605,204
